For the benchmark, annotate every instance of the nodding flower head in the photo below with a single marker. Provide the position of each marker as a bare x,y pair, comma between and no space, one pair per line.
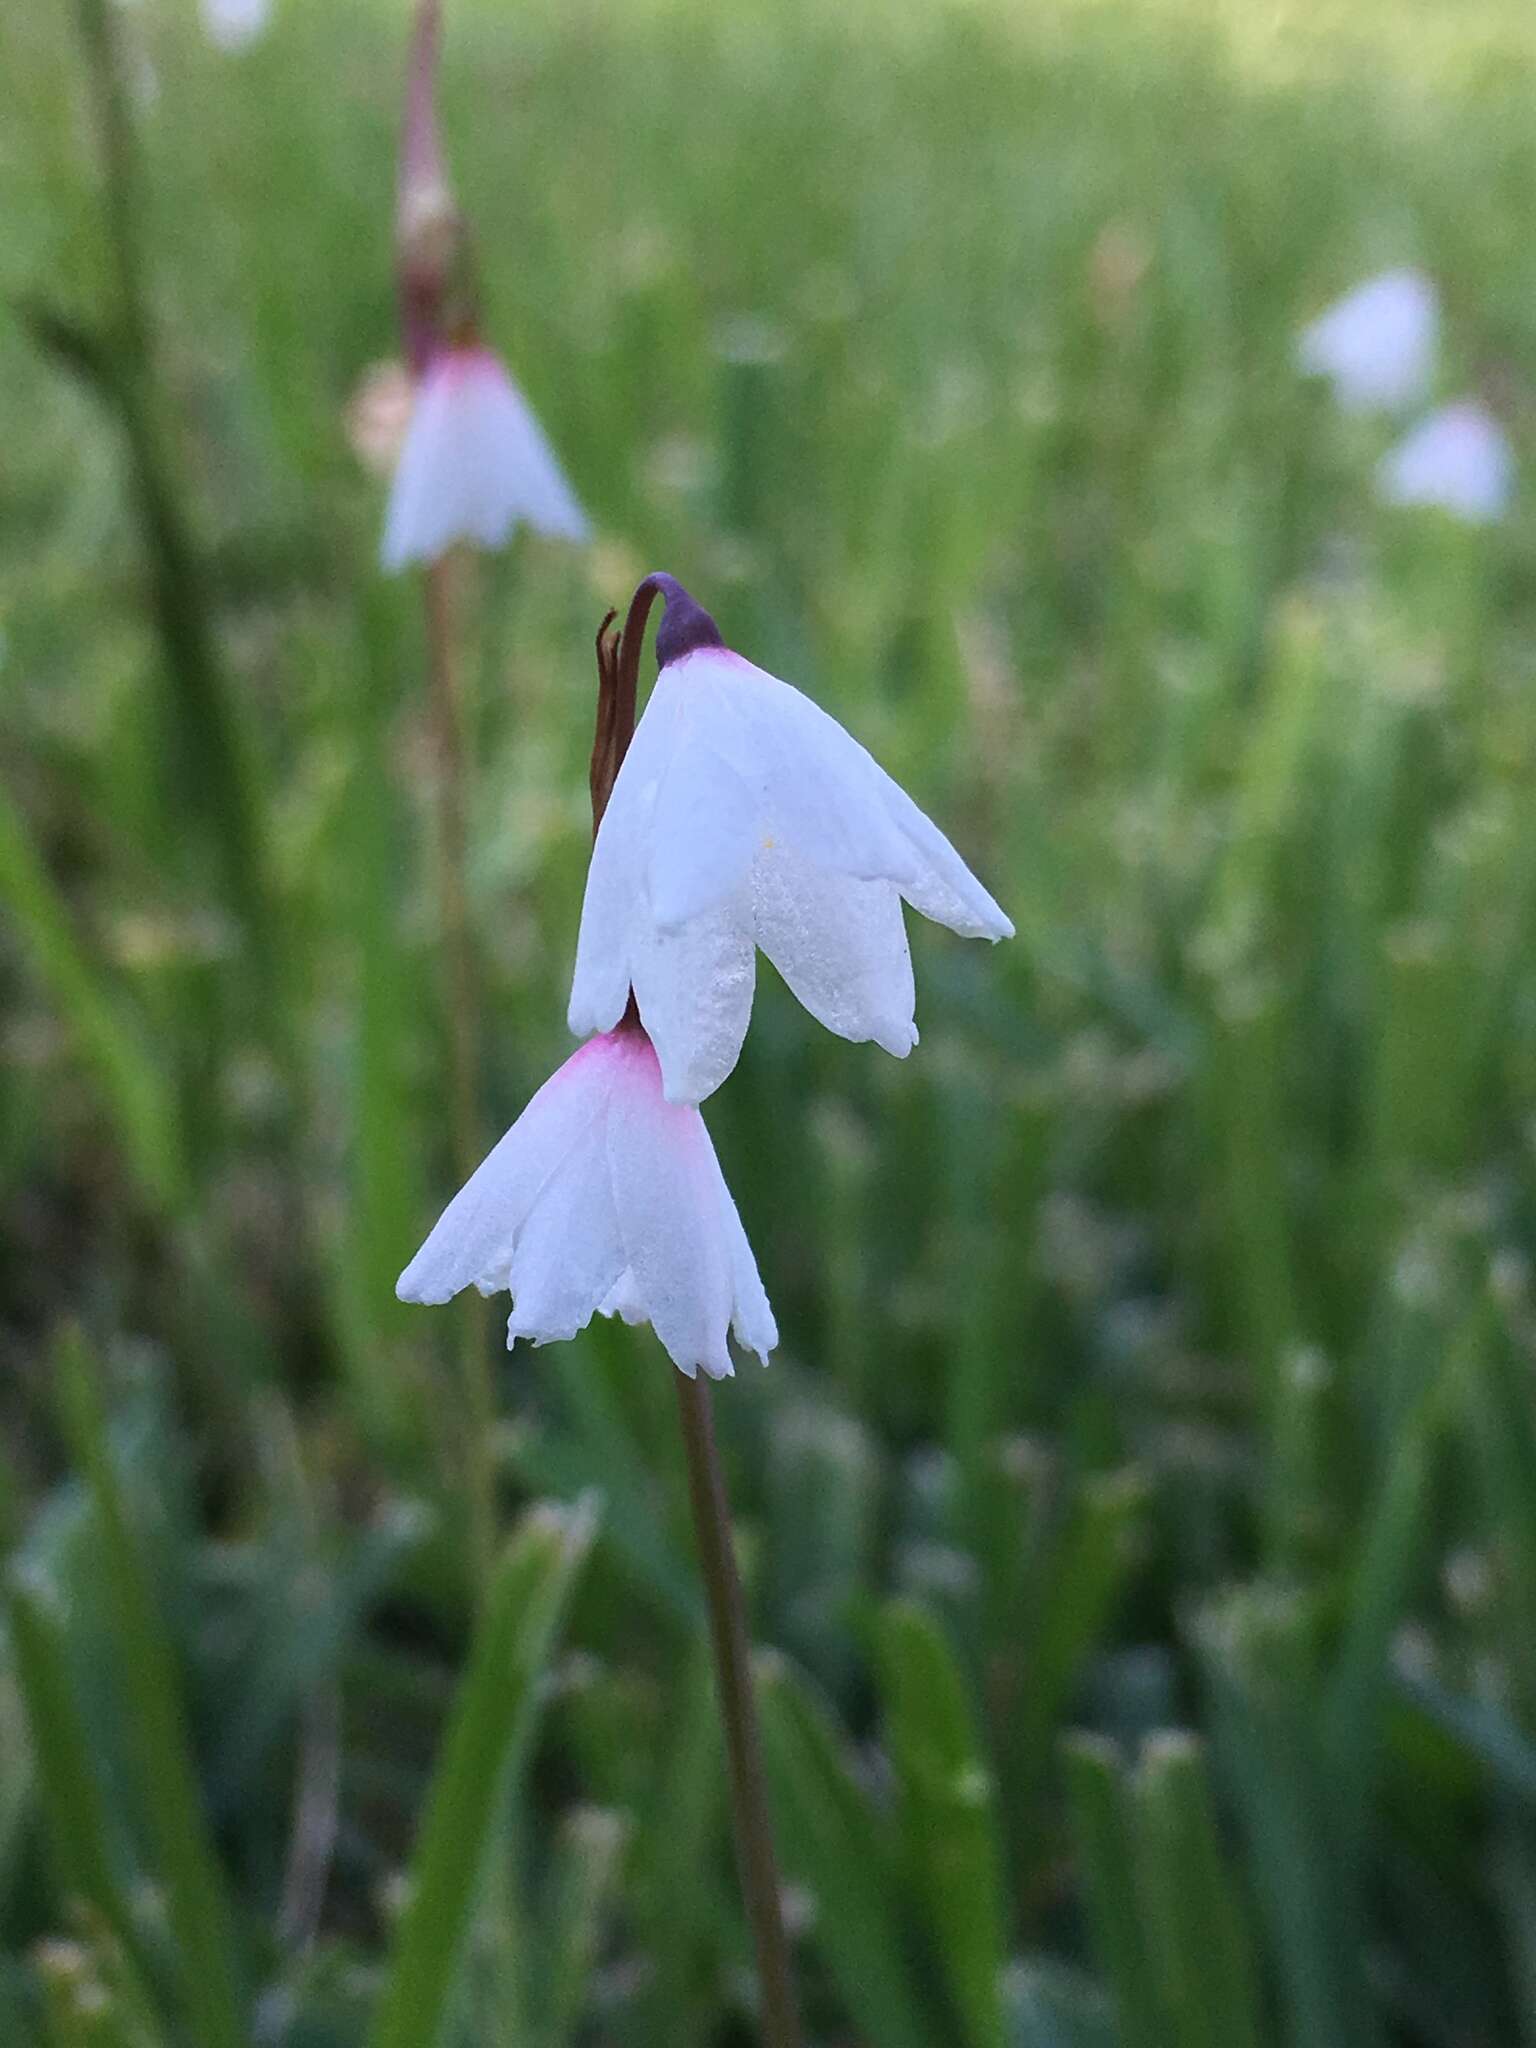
474,463
1376,345
1458,459
742,816
604,1199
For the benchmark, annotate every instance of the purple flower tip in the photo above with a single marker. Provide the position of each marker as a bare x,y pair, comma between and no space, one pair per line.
686,626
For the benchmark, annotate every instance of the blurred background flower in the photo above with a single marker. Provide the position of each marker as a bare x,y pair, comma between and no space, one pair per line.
1377,345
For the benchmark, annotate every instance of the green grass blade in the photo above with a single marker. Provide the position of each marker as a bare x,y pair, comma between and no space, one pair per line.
141,1106
1079,1579
1050,2006
159,1740
93,1996
491,1720
1482,1729
675,1869
833,1840
587,1856
1099,1797
80,1831
823,1484
946,1814
1260,1656
1192,1903
1388,1555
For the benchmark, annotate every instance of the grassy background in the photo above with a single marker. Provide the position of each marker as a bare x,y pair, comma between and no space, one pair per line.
1141,1511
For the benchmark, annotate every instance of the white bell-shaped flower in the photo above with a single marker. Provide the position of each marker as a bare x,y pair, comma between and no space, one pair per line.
1377,344
232,24
745,816
606,1199
1458,459
474,463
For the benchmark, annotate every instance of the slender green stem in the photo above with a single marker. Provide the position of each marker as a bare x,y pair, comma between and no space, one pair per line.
457,981
738,1714
214,771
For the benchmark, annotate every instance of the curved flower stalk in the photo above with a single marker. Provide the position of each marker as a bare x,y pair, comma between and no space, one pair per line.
1457,459
743,816
1376,345
474,462
604,1199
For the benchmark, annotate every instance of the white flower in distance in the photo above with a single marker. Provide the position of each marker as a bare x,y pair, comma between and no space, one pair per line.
231,24
605,1199
474,463
1457,459
1377,344
744,816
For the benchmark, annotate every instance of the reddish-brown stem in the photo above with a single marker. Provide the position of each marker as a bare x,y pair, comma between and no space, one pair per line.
618,682
619,654
457,982
452,834
618,670
755,1859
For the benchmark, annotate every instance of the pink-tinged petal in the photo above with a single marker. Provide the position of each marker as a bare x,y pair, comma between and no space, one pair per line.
569,1257
841,945
606,1199
663,1171
472,1241
474,463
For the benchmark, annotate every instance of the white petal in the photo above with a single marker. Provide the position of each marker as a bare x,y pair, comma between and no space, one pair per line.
841,944
1457,459
612,911
543,496
623,1299
730,771
694,989
814,788
473,463
472,1241
568,1258
944,887
704,830
669,1217
1377,344
751,1317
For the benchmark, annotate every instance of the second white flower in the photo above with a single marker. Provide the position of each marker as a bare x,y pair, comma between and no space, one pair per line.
745,816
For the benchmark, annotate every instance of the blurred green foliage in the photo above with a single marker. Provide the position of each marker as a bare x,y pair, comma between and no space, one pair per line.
1141,1512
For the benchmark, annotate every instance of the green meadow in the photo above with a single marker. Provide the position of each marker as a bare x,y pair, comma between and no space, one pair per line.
1139,1515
